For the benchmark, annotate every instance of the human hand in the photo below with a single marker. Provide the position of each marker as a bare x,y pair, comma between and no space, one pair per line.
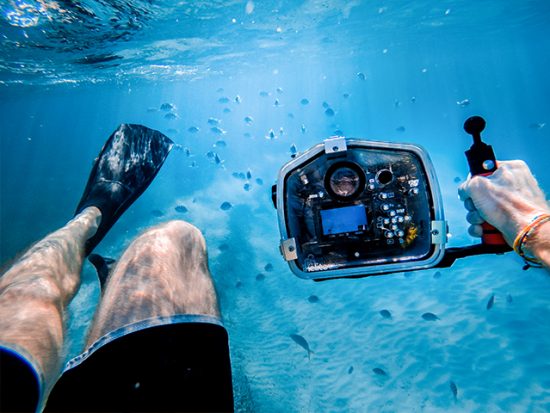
508,199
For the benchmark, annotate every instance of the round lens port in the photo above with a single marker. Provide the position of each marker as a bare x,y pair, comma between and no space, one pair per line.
344,180
384,176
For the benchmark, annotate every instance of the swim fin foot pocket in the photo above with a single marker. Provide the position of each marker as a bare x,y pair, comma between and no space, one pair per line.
125,167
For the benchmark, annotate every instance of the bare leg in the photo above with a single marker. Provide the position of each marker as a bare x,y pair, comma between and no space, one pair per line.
35,291
162,273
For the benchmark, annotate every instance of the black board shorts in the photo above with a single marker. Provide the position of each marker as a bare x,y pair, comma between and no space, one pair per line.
178,367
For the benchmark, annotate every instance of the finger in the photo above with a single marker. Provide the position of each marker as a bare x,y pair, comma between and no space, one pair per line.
463,191
475,231
474,218
469,204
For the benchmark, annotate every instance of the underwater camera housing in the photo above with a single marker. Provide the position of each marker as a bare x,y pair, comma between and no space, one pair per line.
353,208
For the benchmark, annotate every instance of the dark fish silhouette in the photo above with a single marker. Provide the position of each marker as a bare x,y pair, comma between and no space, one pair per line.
223,247
303,128
457,179
329,112
313,299
430,317
225,206
361,76
259,181
454,389
237,99
350,370
220,144
218,131
290,115
346,95
157,213
220,90
260,277
247,187
264,94
400,129
379,371
537,125
509,299
276,103
167,107
298,339
248,174
226,110
491,302
326,105
171,115
223,100
268,267
279,90
181,208
213,121
193,129
304,101
437,275
385,314
249,120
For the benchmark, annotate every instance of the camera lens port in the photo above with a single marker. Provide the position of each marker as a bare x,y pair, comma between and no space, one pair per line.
384,176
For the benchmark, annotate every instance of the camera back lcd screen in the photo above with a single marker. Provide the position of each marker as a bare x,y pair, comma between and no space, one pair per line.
345,219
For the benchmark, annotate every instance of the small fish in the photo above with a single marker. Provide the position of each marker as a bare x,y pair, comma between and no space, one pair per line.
220,144
396,103
463,103
187,152
167,107
223,100
218,131
302,342
193,165
210,154
218,160
171,115
413,99
293,150
264,94
157,213
313,299
346,95
385,314
226,110
329,112
225,206
379,371
249,120
248,174
247,135
237,99
259,181
151,110
537,125
457,179
350,370
178,147
279,90
326,105
193,129
172,131
247,187
400,129
220,90
277,103
281,131
430,317
454,389
437,275
268,267
361,76
260,277
491,302
223,247
303,128
338,132
238,284
213,121
290,115
509,299
304,101
235,175
181,208
271,135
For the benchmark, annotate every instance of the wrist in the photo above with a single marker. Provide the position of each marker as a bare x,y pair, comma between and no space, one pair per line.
538,243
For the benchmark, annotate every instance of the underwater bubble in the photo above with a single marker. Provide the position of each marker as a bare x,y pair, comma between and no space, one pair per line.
157,213
260,277
379,371
225,206
249,8
361,76
167,107
223,100
385,314
313,299
304,101
181,208
193,129
430,317
259,181
268,267
329,112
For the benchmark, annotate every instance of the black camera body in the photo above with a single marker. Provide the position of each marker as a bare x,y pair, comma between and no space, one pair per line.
354,208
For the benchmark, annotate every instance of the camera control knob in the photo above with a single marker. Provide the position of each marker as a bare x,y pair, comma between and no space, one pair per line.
384,207
382,195
388,234
413,191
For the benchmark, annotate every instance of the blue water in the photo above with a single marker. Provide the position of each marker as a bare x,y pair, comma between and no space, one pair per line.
403,71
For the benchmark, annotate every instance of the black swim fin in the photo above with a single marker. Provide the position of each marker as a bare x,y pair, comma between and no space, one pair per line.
125,167
103,266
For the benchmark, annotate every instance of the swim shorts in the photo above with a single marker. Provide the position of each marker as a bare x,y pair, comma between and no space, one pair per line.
178,363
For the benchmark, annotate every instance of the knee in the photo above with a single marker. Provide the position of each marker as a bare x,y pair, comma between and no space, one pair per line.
178,232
